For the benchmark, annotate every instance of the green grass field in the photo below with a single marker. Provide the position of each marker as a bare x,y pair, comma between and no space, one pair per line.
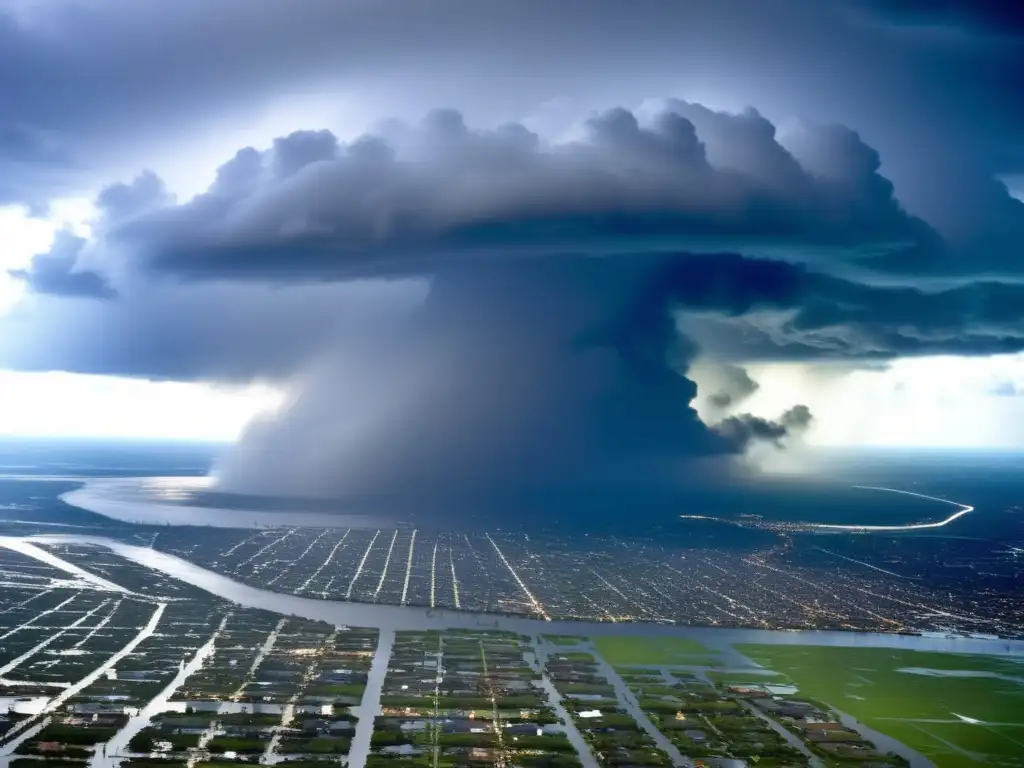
751,677
922,711
574,656
565,639
660,651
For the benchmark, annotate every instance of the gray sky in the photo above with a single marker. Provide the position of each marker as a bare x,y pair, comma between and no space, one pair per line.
267,181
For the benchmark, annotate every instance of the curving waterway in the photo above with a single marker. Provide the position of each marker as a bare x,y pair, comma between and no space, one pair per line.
963,509
405,617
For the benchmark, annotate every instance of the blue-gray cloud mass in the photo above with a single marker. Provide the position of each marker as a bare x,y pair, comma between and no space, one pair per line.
479,296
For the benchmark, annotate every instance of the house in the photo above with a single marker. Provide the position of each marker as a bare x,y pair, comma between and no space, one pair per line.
50,746
400,749
461,725
244,731
95,707
746,691
834,737
795,709
698,737
107,720
315,727
811,726
719,762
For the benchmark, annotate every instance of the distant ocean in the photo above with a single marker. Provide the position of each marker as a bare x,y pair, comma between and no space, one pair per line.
991,482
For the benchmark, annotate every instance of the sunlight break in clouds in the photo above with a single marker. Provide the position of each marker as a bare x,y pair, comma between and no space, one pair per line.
927,402
73,405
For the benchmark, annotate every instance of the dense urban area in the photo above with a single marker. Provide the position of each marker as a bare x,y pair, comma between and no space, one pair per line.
816,582
104,661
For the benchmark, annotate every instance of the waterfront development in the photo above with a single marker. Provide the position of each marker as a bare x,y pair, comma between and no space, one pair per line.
347,642
113,653
752,572
803,583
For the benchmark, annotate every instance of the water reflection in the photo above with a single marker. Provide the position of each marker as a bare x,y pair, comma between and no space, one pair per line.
160,501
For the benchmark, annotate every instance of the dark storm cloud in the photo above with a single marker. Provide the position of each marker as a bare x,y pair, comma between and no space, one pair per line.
109,79
110,88
687,178
746,429
995,16
123,201
32,166
735,386
56,272
507,381
210,332
548,348
437,199
59,273
771,309
546,299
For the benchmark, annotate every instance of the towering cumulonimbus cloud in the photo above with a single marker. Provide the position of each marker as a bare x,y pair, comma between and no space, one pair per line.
555,296
412,197
508,380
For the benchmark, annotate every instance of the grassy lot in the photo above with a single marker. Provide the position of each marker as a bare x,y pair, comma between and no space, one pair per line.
751,677
918,710
565,639
660,651
574,656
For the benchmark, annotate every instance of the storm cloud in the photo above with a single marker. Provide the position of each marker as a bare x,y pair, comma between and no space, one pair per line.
1000,17
745,429
664,203
734,386
55,272
478,313
687,178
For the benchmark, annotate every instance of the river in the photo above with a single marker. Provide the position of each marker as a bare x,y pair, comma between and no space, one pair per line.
406,617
